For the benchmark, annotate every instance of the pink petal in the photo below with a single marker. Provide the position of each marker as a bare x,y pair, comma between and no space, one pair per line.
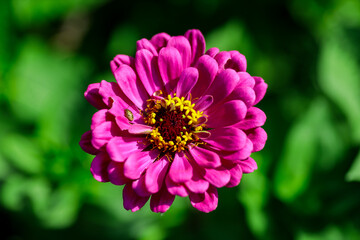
236,174
131,200
222,58
155,174
243,93
228,138
248,166
175,188
139,129
258,137
160,40
260,89
102,134
109,91
161,201
85,143
226,80
140,188
131,86
136,164
208,68
212,52
197,184
146,44
147,70
197,42
246,80
254,118
205,158
170,66
237,62
93,97
120,60
116,173
119,108
204,102
187,81
120,148
218,177
205,202
239,155
183,46
99,167
226,114
98,118
180,169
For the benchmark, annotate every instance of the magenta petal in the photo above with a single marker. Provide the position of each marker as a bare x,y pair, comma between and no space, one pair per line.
120,60
93,97
139,129
254,118
85,143
222,58
208,68
197,42
236,174
248,166
146,44
140,188
246,80
238,155
98,118
155,174
116,173
180,169
99,167
205,158
161,201
259,88
175,188
102,134
237,62
170,66
160,40
218,177
226,114
245,94
131,200
131,86
212,52
228,138
136,164
258,137
205,202
226,80
183,46
187,81
120,148
147,70
197,185
204,103
109,91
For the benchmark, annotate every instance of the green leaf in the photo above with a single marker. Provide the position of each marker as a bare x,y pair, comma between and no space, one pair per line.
295,167
354,173
339,78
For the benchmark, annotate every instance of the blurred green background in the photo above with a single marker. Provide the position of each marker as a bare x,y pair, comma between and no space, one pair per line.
307,185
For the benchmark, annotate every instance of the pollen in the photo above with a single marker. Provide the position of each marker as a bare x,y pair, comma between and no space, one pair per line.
174,120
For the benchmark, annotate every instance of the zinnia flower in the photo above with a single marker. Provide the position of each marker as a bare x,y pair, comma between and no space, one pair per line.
177,122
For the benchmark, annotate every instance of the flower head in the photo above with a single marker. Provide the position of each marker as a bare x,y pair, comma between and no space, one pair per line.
177,121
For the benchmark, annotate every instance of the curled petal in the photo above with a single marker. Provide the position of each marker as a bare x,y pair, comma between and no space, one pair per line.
183,46
160,40
235,176
227,114
205,158
175,188
248,166
218,177
131,200
260,89
161,201
239,155
116,173
94,98
99,167
258,137
145,44
205,202
120,60
180,169
254,118
155,174
197,43
237,62
228,138
140,188
85,143
187,81
246,80
212,52
243,93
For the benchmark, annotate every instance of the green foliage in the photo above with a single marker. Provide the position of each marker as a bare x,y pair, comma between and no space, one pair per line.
307,183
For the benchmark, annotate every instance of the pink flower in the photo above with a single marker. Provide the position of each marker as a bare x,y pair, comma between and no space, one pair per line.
176,122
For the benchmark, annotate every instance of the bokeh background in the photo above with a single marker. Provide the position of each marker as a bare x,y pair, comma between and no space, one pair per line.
307,185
